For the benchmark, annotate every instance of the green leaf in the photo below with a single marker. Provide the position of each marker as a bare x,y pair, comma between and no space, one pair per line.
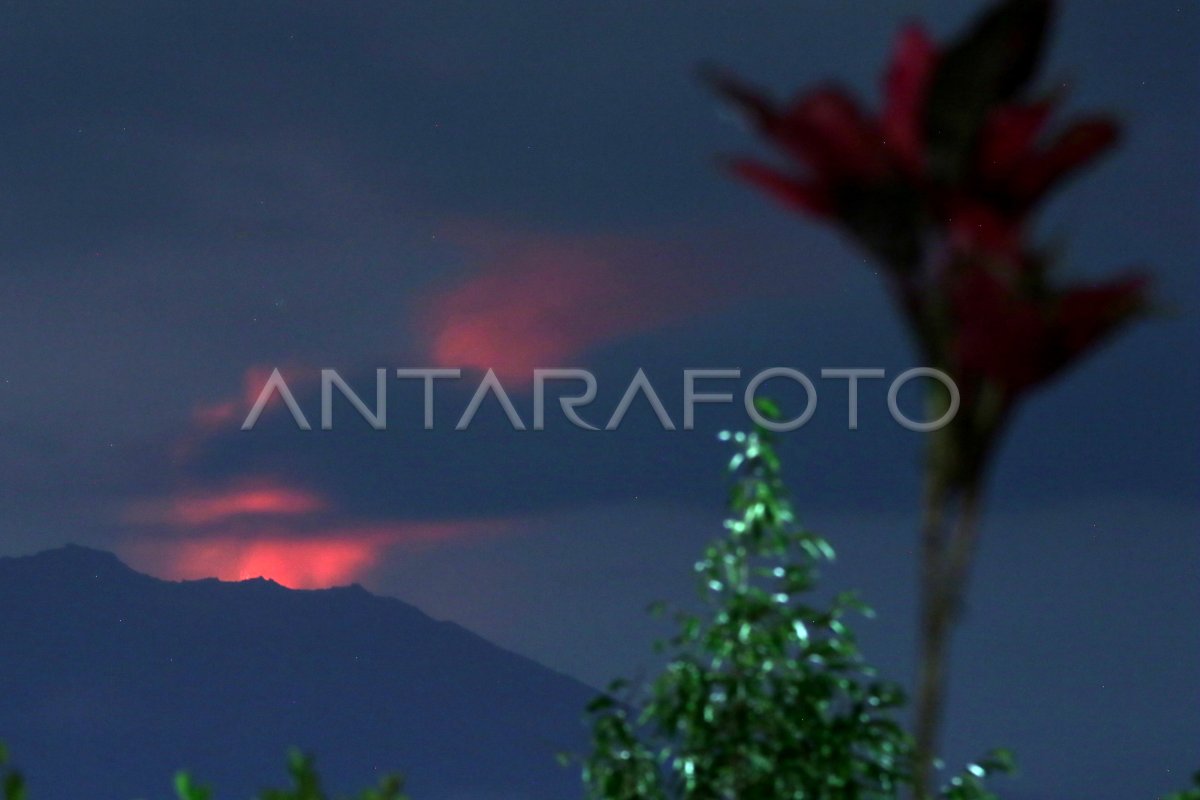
188,789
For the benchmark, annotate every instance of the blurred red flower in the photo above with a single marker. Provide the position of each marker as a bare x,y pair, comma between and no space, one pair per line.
1013,338
941,187
838,147
941,184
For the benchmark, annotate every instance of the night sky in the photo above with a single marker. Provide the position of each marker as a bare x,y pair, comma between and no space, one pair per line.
195,194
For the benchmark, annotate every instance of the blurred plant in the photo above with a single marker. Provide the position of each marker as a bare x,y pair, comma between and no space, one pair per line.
941,188
11,783
1188,794
306,785
766,694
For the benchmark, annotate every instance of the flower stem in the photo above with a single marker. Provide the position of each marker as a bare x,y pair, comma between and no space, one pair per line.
947,550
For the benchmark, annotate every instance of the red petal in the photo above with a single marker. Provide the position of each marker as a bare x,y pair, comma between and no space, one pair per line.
1008,137
1078,145
824,129
1087,315
975,227
829,131
1017,341
753,103
1000,333
808,197
905,85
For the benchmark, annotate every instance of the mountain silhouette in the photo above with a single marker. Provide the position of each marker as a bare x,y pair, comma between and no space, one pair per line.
111,680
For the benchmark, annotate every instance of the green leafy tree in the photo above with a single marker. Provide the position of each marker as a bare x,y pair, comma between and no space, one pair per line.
766,694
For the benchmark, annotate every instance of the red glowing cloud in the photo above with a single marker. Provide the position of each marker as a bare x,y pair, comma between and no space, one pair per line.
233,410
247,499
210,418
541,301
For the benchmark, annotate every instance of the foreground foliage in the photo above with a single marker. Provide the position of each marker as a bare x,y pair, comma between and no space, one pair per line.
306,784
1188,794
766,694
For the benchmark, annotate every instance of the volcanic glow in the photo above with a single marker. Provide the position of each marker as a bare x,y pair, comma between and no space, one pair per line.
295,563
307,557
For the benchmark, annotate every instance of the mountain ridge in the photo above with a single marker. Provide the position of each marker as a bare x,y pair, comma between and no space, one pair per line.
114,679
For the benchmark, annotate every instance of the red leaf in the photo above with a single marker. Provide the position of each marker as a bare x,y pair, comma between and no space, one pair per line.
1075,147
975,227
906,84
752,102
1001,332
1086,315
827,128
809,197
1009,136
